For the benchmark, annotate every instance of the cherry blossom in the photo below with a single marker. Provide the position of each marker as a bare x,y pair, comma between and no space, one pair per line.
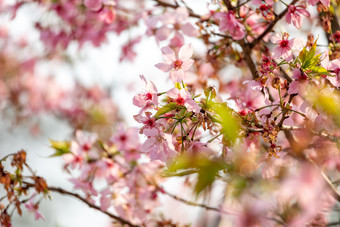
285,46
300,80
176,65
256,119
126,139
159,147
149,96
33,208
228,22
183,98
293,15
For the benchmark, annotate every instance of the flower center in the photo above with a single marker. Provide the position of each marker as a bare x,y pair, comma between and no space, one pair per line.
180,101
178,64
284,43
148,96
122,138
86,146
292,9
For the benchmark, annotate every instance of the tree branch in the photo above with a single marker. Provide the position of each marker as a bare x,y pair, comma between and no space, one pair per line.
190,203
165,4
248,59
75,195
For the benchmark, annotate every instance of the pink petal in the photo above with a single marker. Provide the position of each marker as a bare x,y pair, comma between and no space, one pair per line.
143,80
168,54
173,93
162,33
164,67
276,38
297,43
294,87
185,52
181,14
191,105
177,76
187,64
304,12
189,30
185,94
177,40
296,74
139,100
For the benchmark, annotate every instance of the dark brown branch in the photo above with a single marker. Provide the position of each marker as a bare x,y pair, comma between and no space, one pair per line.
248,59
75,195
228,4
334,23
271,25
165,4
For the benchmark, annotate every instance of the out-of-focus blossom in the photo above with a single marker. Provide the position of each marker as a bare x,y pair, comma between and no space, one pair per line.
159,147
228,22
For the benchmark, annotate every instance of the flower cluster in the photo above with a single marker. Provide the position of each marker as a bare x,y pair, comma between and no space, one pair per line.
251,109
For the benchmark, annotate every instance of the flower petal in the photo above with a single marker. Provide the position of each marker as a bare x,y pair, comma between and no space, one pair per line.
168,54
185,52
177,76
187,64
164,67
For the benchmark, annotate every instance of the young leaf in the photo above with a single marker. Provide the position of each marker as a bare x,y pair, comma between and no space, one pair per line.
230,124
165,109
61,147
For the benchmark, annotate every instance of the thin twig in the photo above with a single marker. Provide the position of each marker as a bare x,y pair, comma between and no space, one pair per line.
75,195
190,203
165,4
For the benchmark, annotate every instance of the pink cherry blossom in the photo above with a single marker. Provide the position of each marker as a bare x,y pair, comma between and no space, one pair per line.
126,139
105,199
177,20
85,186
176,65
148,96
85,140
228,22
293,15
183,97
33,208
159,147
300,80
285,46
149,122
128,52
334,67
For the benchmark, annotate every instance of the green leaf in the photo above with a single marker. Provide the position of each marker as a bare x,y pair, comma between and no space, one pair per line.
319,70
61,147
165,109
230,124
310,63
206,168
